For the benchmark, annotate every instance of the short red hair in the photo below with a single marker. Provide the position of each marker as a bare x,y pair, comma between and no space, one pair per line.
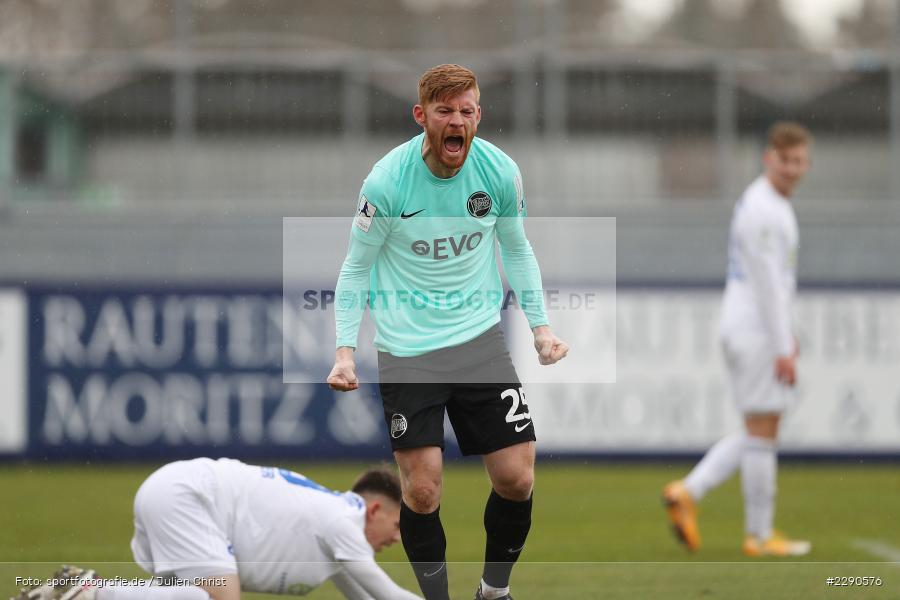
445,81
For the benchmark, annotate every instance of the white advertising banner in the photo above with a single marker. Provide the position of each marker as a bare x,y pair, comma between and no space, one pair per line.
671,394
13,350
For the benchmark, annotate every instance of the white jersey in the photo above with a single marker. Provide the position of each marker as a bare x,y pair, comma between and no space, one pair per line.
762,268
286,531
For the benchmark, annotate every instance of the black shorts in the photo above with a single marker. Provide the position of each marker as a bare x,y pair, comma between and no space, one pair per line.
475,382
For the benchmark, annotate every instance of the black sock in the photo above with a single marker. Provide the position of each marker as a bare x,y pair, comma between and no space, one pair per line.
426,547
506,523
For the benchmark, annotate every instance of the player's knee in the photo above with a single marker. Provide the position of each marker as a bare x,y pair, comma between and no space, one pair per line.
518,487
423,496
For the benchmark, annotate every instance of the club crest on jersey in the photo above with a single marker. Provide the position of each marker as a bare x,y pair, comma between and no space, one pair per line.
398,425
365,211
479,204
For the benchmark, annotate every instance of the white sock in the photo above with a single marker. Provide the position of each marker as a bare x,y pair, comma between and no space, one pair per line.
151,592
759,466
492,593
718,464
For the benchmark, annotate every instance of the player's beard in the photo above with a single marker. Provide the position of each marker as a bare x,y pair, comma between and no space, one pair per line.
450,152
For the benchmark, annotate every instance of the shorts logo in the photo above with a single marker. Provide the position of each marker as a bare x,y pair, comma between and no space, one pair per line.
479,204
398,425
514,417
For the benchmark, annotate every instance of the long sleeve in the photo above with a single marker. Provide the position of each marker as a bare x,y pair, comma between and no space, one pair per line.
518,258
766,255
364,580
522,269
352,290
349,588
370,230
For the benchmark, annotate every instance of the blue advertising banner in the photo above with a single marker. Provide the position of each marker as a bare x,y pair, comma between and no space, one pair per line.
122,373
132,373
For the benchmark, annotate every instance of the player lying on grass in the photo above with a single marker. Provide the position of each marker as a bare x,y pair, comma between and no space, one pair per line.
210,528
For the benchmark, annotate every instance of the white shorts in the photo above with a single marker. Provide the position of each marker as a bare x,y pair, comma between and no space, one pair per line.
751,374
175,524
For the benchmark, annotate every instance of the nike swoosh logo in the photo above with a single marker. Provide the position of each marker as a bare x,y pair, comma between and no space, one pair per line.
441,568
522,428
406,216
513,551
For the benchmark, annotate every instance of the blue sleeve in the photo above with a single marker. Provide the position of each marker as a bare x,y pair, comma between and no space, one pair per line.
518,258
371,226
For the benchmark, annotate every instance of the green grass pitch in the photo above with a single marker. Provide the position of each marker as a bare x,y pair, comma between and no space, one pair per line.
599,531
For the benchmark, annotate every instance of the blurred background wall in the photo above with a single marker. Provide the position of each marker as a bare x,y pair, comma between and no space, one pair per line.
166,138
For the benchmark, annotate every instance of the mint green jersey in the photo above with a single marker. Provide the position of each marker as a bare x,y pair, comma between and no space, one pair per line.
422,252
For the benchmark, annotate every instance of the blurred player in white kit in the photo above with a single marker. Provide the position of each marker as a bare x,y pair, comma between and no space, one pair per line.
759,347
211,528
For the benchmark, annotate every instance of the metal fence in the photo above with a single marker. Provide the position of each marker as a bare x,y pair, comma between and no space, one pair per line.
214,113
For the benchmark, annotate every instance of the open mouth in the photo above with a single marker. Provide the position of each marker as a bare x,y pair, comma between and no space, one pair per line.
453,143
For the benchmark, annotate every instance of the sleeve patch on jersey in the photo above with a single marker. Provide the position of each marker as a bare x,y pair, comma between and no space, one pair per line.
364,213
520,193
